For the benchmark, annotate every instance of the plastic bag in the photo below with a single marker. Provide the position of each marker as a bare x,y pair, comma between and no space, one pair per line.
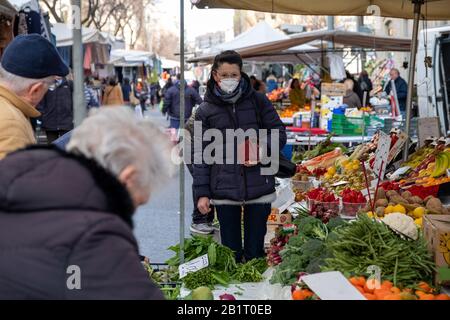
337,69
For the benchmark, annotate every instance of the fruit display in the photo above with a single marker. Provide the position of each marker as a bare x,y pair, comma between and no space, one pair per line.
276,95
349,171
321,148
352,202
323,204
323,161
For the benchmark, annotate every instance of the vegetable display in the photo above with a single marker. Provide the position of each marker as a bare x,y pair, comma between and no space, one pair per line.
365,242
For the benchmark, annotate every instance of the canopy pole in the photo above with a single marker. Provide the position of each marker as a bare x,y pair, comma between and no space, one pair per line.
182,106
79,105
412,65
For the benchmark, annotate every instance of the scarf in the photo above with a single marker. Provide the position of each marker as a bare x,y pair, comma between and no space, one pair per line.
233,96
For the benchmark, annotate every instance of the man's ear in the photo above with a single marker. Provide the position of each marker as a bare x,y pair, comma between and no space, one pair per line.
128,175
35,88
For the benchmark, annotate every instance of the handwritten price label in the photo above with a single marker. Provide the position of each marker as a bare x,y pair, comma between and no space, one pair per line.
193,266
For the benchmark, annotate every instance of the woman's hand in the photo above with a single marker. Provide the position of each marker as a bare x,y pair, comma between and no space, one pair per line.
250,164
203,205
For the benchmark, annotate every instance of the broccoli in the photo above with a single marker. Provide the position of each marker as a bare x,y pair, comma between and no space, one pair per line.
312,249
296,241
335,223
307,225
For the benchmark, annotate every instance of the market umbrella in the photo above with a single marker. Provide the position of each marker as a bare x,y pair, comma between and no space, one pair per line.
408,9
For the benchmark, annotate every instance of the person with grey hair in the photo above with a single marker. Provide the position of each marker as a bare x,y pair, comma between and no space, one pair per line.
66,216
29,67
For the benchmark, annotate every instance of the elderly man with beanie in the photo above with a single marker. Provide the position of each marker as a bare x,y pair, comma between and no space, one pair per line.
29,67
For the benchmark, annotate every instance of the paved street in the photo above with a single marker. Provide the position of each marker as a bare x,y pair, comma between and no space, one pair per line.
157,223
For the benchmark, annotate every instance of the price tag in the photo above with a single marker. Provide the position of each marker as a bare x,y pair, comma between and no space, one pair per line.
399,172
332,286
397,146
193,265
381,155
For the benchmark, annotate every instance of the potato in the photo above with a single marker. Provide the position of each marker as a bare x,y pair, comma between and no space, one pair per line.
381,203
445,210
434,204
392,193
406,195
427,198
398,199
380,211
381,194
415,199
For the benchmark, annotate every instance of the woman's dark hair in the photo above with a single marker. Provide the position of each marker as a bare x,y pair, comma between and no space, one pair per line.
257,85
112,81
229,56
293,82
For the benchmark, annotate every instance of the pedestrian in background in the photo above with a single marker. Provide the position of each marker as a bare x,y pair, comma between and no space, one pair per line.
365,84
113,93
60,209
57,110
126,91
401,88
351,99
172,103
90,94
29,67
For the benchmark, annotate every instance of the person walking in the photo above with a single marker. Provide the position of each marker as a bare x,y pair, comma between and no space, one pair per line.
113,93
90,94
57,110
66,216
401,88
172,103
126,91
232,104
29,67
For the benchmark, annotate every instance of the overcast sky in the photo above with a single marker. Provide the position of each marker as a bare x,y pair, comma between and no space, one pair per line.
198,21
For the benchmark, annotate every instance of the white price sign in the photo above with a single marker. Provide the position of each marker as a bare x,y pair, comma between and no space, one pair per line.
381,155
193,265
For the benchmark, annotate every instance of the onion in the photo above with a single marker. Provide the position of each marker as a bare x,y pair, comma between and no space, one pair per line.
227,296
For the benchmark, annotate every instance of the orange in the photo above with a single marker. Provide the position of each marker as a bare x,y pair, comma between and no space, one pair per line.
427,296
354,281
387,284
360,289
424,286
393,296
298,295
361,281
381,293
419,293
442,296
307,293
370,296
395,290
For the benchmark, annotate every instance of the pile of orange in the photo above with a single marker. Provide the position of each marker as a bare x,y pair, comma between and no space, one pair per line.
374,290
302,294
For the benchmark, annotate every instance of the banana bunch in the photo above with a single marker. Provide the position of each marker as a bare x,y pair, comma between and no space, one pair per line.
442,163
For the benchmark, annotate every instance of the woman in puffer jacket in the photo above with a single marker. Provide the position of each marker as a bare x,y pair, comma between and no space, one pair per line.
231,103
66,216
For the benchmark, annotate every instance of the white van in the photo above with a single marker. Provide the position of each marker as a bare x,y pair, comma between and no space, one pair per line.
433,83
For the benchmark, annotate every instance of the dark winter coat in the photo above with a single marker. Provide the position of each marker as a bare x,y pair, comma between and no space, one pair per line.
59,210
57,108
402,91
172,101
235,181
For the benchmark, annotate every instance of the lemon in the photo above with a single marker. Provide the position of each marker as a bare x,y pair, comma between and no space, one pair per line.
331,170
418,222
370,214
389,209
400,208
355,166
419,212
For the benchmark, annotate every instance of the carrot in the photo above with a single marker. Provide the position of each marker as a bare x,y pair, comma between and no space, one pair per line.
393,296
307,293
298,295
424,286
427,296
370,296
361,281
371,285
387,284
353,281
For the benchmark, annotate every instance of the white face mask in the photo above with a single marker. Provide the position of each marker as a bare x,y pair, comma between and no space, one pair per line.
229,84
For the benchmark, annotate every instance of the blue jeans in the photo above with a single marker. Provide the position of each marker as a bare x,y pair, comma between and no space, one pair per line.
174,123
255,228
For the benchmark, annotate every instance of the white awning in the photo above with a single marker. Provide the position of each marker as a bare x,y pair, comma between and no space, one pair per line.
131,58
64,37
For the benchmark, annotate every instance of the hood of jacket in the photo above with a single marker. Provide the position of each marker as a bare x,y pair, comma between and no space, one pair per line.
40,179
214,99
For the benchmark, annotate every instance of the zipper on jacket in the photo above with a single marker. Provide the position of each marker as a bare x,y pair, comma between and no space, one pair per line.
234,108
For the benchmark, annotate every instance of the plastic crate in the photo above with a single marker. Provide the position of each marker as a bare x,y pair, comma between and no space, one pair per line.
353,126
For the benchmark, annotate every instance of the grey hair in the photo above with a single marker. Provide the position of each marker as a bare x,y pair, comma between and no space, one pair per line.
115,138
18,84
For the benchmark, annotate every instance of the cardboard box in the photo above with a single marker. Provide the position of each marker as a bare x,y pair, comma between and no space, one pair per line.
277,218
437,234
271,232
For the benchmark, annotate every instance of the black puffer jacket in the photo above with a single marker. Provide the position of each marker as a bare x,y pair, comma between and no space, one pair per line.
57,108
59,210
235,181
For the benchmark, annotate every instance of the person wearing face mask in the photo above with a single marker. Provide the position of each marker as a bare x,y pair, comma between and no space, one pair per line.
67,215
57,110
231,104
28,69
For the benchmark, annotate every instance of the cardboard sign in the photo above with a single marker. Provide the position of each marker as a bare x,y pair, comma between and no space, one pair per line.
193,265
381,155
332,286
428,127
398,146
333,89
